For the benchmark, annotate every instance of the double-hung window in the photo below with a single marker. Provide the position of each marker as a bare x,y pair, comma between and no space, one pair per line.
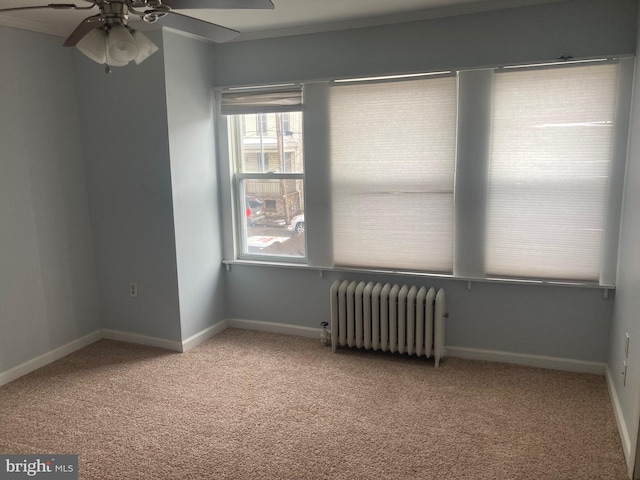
266,150
551,156
393,150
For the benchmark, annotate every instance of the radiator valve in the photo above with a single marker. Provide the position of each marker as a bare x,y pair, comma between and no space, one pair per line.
325,338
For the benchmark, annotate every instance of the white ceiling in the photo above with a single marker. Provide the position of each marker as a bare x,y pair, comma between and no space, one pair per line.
290,17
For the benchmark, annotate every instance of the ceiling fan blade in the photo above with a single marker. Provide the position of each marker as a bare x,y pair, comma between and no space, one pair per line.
88,24
199,28
55,6
222,4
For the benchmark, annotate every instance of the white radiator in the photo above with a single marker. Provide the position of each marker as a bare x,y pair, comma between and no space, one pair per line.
388,317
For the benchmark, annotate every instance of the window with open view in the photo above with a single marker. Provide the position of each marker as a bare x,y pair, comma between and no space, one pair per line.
267,153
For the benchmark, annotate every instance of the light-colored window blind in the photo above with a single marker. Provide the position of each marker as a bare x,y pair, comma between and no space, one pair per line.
551,145
392,174
241,102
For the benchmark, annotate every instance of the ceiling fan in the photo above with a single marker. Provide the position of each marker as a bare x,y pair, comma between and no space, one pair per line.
107,38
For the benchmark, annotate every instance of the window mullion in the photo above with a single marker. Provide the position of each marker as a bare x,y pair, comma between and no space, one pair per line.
472,171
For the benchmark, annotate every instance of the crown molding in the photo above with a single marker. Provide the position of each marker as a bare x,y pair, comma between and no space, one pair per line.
33,26
392,19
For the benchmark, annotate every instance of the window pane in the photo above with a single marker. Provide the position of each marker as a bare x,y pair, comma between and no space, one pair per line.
273,217
392,172
394,230
270,142
550,160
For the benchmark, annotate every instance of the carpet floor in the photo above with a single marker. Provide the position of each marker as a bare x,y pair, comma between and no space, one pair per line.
253,405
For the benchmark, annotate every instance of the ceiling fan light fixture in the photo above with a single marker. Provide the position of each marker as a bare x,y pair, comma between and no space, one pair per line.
112,62
93,46
121,46
145,46
96,45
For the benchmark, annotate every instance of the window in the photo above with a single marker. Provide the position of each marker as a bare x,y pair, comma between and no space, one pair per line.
512,172
268,172
392,173
550,160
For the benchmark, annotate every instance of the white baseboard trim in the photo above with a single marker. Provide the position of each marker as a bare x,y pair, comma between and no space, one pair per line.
625,437
206,334
282,328
555,363
142,339
49,357
56,354
540,361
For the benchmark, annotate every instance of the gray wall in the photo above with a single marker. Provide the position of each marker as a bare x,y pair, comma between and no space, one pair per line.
570,323
80,193
143,221
519,35
154,194
48,294
151,211
124,129
626,318
564,322
194,182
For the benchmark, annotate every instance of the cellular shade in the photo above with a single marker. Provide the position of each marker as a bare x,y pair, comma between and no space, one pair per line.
392,174
552,132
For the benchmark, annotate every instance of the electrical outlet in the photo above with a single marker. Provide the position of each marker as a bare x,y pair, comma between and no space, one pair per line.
133,290
626,345
624,373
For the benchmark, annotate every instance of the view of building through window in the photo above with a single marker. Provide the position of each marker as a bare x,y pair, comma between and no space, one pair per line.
269,171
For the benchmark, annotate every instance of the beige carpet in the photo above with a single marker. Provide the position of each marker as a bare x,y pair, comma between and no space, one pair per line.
250,405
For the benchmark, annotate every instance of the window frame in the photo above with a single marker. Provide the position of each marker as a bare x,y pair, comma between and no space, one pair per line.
238,177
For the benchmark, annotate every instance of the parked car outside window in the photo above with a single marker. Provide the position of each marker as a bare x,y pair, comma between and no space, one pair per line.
297,224
255,211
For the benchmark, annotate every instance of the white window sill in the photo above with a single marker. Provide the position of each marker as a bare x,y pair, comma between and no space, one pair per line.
518,281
